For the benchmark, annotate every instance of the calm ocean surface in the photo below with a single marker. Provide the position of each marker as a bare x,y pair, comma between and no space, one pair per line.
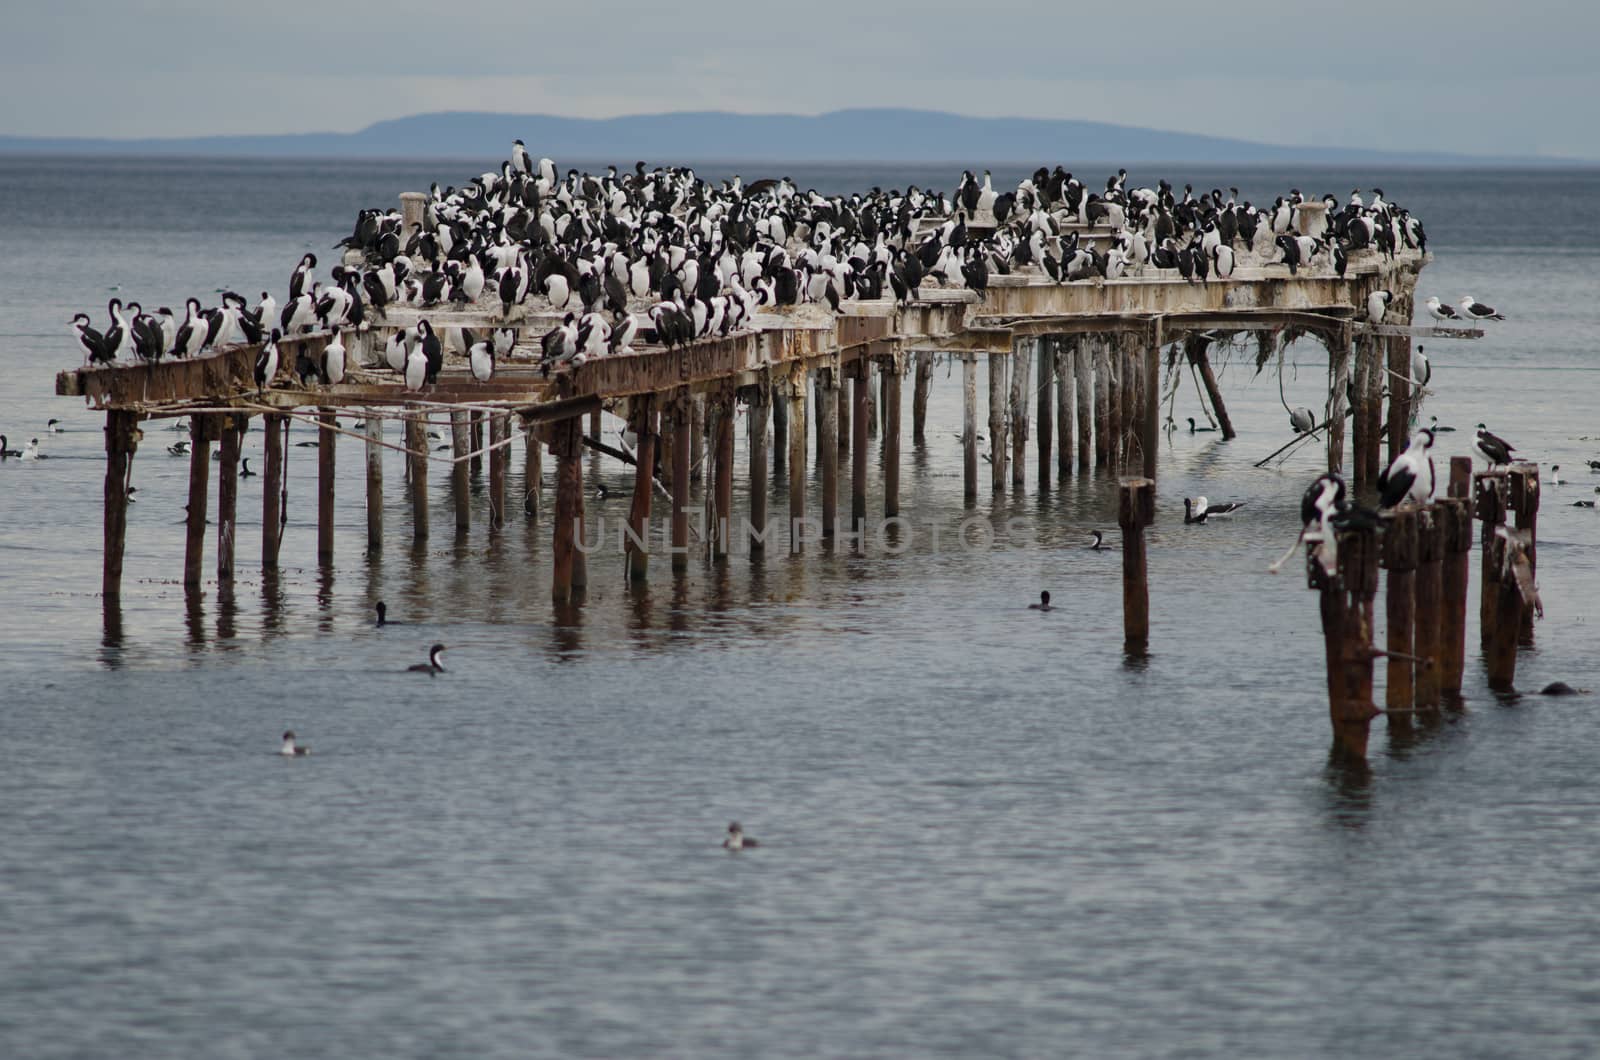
985,832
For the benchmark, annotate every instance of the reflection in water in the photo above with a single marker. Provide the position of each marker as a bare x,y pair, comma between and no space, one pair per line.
567,633
641,607
111,632
325,599
227,613
1349,788
194,616
272,601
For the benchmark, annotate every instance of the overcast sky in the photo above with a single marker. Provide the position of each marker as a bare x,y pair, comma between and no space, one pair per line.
1470,77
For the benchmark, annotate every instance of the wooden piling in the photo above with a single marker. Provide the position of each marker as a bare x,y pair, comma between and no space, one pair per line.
1064,393
475,443
1045,374
326,442
682,417
417,443
757,412
874,397
122,441
460,488
697,437
1021,373
1399,374
1400,606
828,445
722,483
1197,349
1456,516
374,454
566,446
1524,503
1136,507
1372,351
1490,496
642,419
1102,402
1149,365
843,418
1429,625
919,398
1083,384
861,395
1345,603
797,463
778,403
499,467
232,439
1338,378
969,427
272,493
1359,434
998,450
532,471
594,431
892,375
201,431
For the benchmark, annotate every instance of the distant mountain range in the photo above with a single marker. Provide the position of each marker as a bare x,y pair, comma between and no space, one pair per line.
865,135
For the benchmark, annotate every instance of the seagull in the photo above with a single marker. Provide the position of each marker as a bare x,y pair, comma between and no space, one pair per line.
1473,309
1492,448
1410,477
1441,311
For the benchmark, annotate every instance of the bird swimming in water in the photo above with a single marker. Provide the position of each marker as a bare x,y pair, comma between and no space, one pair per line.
736,840
1043,604
384,619
433,665
244,468
53,427
1199,509
31,450
178,448
1198,430
1099,542
7,452
290,749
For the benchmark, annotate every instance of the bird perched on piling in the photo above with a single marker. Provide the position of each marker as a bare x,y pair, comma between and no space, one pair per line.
1494,449
267,362
1410,477
1378,305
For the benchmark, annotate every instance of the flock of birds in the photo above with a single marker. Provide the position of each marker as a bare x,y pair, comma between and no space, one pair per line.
662,256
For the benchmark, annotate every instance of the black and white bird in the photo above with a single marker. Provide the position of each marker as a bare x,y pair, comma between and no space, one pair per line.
1441,311
736,840
432,351
91,341
267,362
300,279
5,450
333,361
1473,309
416,368
1421,370
53,427
1494,449
30,451
433,665
1198,430
290,749
1099,542
1378,305
178,449
1555,476
1410,477
244,468
480,357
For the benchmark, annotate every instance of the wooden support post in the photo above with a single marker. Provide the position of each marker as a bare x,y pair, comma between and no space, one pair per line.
122,441
594,432
1021,373
1524,500
327,440
780,435
1374,408
1456,513
919,399
998,451
1149,364
874,381
272,493
1121,399
1399,350
532,472
476,447
697,437
1197,349
1359,434
499,467
1346,599
892,376
1064,390
757,413
816,415
1102,402
1045,370
969,427
1083,384
566,446
1490,498
460,489
1429,623
374,431
843,417
1338,380
682,416
1136,509
201,431
642,416
861,395
828,443
232,438
797,463
1400,605
722,484
417,443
